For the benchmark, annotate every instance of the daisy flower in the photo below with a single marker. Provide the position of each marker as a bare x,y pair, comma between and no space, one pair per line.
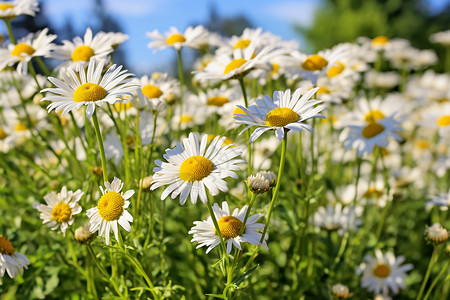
442,37
437,118
111,210
441,200
338,218
33,45
88,87
11,9
281,113
192,165
365,137
11,261
230,226
60,208
384,272
157,89
192,37
82,51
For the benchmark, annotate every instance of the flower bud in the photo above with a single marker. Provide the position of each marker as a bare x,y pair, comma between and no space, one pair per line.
436,234
340,291
258,184
83,234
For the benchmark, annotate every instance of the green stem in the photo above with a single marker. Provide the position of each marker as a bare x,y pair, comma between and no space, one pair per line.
42,66
277,187
181,77
33,73
427,274
100,145
247,132
10,32
436,280
388,199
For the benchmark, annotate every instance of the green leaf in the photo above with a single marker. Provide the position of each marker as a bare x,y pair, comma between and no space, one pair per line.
244,276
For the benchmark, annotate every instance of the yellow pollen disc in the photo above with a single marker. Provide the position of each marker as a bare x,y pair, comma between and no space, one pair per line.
314,63
373,193
186,118
151,91
373,115
227,141
381,270
281,116
175,38
335,70
61,212
380,40
323,90
123,106
22,48
82,53
242,44
422,144
20,127
275,68
195,168
217,100
444,121
6,246
89,92
234,64
238,111
3,135
371,130
229,227
110,206
5,6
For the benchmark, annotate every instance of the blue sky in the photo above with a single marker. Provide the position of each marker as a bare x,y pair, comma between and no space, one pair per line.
140,16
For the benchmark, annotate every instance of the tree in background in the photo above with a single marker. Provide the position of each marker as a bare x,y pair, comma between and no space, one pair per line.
340,21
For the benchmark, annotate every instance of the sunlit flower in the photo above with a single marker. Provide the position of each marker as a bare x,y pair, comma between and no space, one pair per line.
60,208
436,234
11,261
441,200
36,44
111,210
281,113
230,226
11,9
88,87
157,90
338,218
442,37
192,37
384,272
192,165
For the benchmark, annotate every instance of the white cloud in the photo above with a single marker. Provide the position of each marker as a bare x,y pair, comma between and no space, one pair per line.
298,12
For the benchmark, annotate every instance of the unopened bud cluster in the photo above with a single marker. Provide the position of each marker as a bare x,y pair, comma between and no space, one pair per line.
258,184
269,175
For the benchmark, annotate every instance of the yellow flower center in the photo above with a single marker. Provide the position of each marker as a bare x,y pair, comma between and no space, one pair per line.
234,64
242,44
123,106
61,212
82,53
175,38
229,227
314,63
373,193
335,70
444,121
217,100
275,68
5,6
89,92
381,270
3,135
6,246
195,168
371,130
281,116
186,118
422,144
373,115
238,111
323,90
20,127
151,91
110,206
22,48
380,40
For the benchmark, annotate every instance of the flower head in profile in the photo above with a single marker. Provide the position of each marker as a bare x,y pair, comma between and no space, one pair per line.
12,9
384,272
33,45
192,37
192,165
230,226
441,200
111,210
11,261
281,113
88,87
60,208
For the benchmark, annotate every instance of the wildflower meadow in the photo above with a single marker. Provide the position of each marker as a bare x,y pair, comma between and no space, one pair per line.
251,170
